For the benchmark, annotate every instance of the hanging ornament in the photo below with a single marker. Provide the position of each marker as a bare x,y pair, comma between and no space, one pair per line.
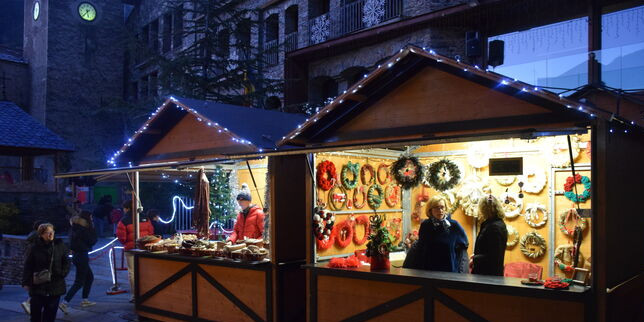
367,169
343,234
359,192
472,190
326,175
361,220
421,199
534,180
387,176
564,257
394,229
392,195
444,175
533,245
407,171
512,204
353,168
337,198
532,215
571,215
513,236
323,222
375,196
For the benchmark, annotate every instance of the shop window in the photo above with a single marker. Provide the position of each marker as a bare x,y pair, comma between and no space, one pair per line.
167,32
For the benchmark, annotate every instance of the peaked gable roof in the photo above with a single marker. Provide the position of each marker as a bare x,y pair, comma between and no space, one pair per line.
21,133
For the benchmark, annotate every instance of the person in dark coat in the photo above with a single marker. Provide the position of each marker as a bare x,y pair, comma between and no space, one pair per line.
489,250
102,213
46,252
31,239
82,239
442,242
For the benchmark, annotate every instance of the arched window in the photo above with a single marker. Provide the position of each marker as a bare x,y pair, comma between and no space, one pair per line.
272,40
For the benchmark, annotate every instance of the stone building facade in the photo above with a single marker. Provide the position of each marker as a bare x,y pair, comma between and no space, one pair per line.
12,258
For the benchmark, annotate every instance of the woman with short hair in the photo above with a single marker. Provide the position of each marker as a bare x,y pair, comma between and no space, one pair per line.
489,250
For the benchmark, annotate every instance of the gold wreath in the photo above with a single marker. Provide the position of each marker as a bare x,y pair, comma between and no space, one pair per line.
533,239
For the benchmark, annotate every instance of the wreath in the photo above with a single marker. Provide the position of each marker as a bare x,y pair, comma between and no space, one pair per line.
394,229
478,155
564,257
353,168
470,193
537,184
375,196
387,176
392,197
505,180
407,171
367,168
326,175
323,222
444,175
364,197
513,236
334,198
512,204
533,245
343,234
559,156
567,216
568,186
532,214
361,220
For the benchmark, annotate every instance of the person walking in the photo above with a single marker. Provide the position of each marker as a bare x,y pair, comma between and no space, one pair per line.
82,239
45,268
31,239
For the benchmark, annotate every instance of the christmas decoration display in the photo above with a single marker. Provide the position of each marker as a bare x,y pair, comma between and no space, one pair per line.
538,182
380,243
392,195
357,192
343,233
350,183
513,236
372,12
323,222
387,176
478,155
394,226
375,196
222,206
571,215
532,214
444,175
558,155
367,168
471,192
337,198
533,245
570,183
326,175
421,199
407,171
321,29
512,204
342,262
564,256
505,180
361,220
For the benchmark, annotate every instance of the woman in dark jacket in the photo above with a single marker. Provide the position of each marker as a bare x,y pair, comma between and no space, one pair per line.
82,239
442,242
45,253
489,250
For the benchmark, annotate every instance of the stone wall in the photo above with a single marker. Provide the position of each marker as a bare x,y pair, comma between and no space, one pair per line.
12,257
16,83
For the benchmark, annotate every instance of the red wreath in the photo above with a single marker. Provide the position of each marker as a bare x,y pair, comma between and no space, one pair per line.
326,175
364,197
387,178
339,232
367,167
323,244
362,220
392,198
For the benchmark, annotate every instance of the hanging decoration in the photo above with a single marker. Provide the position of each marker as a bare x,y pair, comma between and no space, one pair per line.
343,234
372,12
564,257
538,182
512,204
353,182
407,171
558,153
444,175
375,196
359,191
394,229
505,180
478,155
323,222
321,29
361,220
386,172
367,168
326,175
471,192
532,214
513,236
392,195
421,199
570,183
533,245
571,215
337,194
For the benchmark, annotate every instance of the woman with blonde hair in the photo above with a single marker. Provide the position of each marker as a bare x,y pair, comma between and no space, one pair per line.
442,242
489,250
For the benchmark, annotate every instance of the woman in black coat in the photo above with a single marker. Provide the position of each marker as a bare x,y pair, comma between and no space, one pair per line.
82,239
46,252
489,250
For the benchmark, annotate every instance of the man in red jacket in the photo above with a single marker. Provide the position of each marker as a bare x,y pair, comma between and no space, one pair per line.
250,221
125,234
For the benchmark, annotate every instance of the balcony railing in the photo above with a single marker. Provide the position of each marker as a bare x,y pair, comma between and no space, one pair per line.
271,53
352,17
290,42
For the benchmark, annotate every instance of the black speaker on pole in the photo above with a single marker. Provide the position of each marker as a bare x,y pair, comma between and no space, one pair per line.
495,54
472,44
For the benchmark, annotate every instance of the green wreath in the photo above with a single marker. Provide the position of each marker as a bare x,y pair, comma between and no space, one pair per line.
375,200
437,172
407,171
354,168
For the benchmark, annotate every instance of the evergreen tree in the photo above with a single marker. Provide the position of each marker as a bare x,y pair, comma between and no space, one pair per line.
222,206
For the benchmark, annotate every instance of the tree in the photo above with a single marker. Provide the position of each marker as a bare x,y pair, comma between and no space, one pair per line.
222,206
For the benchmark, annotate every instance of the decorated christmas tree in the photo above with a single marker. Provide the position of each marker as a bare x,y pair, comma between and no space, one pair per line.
222,206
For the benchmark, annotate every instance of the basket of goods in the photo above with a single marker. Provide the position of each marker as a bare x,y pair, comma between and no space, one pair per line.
255,242
155,247
172,248
254,253
219,245
145,240
236,254
229,249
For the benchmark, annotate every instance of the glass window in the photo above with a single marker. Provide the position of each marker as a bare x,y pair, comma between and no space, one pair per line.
622,54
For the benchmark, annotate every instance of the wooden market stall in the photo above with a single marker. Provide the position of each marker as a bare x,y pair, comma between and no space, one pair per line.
434,107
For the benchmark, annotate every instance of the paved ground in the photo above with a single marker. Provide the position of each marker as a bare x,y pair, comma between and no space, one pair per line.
108,308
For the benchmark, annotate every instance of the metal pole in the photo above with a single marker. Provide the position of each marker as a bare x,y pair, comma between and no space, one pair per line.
135,205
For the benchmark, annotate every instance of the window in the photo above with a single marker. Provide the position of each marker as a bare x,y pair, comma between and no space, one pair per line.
290,29
242,35
223,43
134,90
154,86
272,40
167,32
145,36
177,29
622,54
154,36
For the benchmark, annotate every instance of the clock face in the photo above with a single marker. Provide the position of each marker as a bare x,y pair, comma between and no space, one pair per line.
87,11
36,10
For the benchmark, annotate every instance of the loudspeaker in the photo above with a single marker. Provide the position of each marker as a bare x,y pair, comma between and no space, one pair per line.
472,44
495,54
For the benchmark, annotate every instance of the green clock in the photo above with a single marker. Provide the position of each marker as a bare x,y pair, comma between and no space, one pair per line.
87,11
36,10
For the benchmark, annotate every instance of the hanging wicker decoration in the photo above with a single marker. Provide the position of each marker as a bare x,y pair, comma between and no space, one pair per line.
326,175
336,197
564,257
505,180
558,150
512,204
375,195
478,155
387,175
571,215
392,195
470,193
359,191
533,245
407,171
372,174
532,215
538,182
354,168
444,175
513,236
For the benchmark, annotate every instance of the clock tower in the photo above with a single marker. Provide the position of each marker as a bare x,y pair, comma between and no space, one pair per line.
74,49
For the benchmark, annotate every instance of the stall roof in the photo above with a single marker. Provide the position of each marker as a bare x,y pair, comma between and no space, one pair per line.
185,129
440,95
21,134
